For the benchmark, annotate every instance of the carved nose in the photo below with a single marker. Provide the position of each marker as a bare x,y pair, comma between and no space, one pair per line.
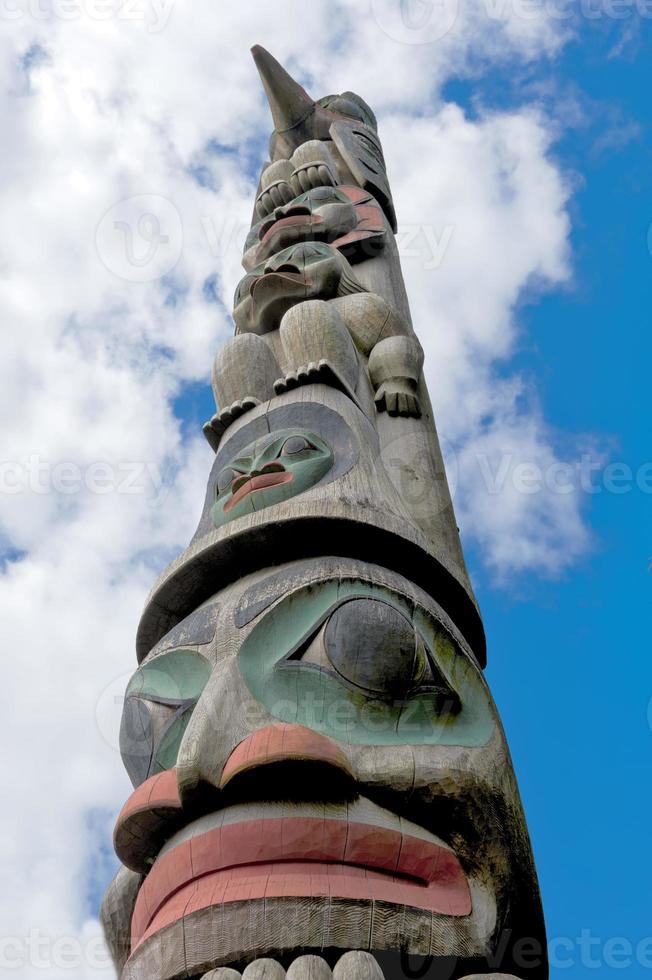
287,760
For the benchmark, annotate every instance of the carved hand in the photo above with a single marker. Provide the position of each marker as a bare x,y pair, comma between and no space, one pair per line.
397,396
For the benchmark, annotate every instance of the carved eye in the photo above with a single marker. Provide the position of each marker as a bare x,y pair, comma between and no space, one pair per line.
296,444
225,478
374,647
159,701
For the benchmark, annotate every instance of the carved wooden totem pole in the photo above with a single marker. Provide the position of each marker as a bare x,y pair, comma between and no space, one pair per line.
322,783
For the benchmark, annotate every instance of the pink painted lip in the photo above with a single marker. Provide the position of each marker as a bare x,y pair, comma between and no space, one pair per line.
282,742
298,856
258,483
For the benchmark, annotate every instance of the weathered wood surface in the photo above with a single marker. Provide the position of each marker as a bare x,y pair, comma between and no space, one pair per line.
320,771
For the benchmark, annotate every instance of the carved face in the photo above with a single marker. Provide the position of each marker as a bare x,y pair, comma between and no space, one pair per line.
310,270
347,217
346,756
269,471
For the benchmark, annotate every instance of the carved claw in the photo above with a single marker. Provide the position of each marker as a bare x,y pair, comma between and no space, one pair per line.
397,398
216,427
275,196
312,175
315,372
313,166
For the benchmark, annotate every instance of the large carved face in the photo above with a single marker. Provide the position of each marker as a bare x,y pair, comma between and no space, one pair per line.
338,777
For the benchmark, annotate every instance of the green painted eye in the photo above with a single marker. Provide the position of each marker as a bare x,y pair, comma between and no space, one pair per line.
159,702
226,478
362,664
296,444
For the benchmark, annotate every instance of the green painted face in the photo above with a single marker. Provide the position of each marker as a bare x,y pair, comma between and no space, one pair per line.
362,664
268,471
321,214
159,701
307,270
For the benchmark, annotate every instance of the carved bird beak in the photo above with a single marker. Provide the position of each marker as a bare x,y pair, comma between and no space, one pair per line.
290,103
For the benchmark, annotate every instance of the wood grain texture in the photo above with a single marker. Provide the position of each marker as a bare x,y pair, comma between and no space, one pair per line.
321,589
309,968
264,969
357,965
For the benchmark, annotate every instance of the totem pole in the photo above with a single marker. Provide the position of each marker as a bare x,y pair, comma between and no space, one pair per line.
322,783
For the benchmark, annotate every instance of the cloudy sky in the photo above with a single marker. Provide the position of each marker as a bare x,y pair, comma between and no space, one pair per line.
515,135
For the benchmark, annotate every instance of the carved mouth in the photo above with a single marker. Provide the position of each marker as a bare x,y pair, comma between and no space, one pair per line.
260,851
295,278
287,231
261,482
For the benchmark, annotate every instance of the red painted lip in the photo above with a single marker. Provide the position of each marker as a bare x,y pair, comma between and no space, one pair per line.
280,743
298,856
294,220
258,483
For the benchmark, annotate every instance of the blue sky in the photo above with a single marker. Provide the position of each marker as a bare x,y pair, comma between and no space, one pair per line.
569,660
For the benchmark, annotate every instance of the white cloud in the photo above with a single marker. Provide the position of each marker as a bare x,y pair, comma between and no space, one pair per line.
497,205
95,112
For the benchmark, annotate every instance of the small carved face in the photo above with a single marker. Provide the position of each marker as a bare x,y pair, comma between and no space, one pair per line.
269,471
309,270
321,214
343,216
